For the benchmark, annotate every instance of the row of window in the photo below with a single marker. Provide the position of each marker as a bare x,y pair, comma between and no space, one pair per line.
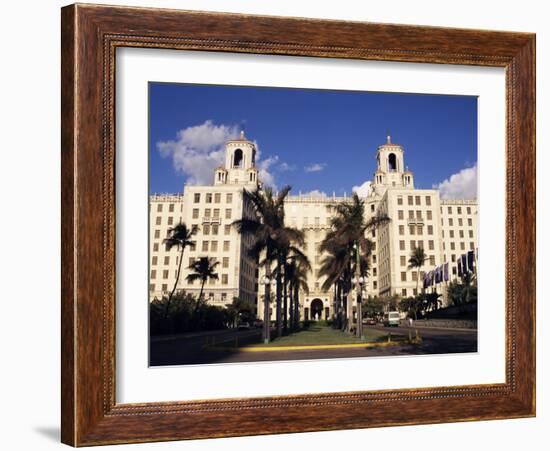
215,198
213,229
414,244
417,215
206,246
461,244
166,274
414,276
415,200
459,210
460,233
171,207
212,246
155,260
208,213
416,229
412,215
404,260
158,220
211,297
420,243
224,262
453,257
460,222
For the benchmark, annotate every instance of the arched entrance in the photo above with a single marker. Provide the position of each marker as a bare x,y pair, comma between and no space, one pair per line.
316,309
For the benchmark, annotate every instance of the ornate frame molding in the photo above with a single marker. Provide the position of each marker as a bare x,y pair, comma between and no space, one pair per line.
90,37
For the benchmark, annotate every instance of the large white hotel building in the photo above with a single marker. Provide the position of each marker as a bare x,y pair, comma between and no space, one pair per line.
446,229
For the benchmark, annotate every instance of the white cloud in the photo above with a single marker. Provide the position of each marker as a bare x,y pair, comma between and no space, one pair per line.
315,167
264,174
284,166
315,193
462,185
362,190
198,150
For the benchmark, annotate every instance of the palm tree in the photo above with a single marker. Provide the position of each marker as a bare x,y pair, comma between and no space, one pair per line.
288,254
272,239
296,274
204,269
348,229
179,237
416,261
296,267
335,267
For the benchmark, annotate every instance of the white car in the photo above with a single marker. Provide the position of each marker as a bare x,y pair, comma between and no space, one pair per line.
391,319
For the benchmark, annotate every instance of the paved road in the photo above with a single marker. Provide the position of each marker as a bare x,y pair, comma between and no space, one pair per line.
183,350
190,349
437,340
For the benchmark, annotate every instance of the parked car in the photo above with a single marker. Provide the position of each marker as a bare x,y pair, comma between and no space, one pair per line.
243,325
369,321
258,324
391,319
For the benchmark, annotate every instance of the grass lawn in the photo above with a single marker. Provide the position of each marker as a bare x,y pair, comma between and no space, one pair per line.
323,335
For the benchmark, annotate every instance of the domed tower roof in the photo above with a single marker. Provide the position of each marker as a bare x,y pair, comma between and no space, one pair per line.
389,143
391,170
240,161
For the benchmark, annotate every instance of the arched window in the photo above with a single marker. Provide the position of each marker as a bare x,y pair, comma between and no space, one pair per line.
392,162
238,158
253,157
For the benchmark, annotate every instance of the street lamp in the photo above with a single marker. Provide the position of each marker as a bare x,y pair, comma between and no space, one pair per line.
267,282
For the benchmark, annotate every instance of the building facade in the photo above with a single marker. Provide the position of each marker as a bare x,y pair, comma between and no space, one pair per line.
210,210
445,229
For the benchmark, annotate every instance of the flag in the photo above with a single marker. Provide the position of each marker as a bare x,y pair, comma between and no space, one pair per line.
437,275
471,260
446,272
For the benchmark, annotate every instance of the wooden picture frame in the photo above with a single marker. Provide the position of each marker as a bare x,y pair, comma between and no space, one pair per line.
90,36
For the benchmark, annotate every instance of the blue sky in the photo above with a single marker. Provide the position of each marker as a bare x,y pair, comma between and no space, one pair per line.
322,140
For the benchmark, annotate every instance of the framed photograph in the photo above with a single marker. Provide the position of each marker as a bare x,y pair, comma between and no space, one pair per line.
278,225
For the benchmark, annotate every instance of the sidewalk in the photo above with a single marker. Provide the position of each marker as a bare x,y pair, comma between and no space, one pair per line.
382,344
419,325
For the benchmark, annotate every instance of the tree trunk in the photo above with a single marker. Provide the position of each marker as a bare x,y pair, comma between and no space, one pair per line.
339,300
296,293
266,334
290,308
175,284
278,307
349,312
335,306
344,311
285,305
202,289
417,293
